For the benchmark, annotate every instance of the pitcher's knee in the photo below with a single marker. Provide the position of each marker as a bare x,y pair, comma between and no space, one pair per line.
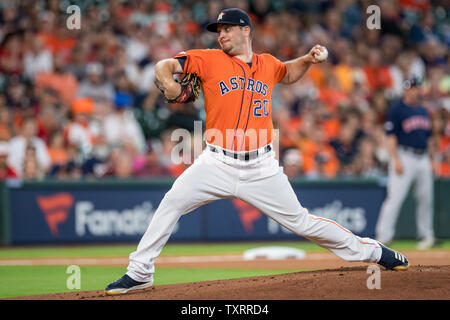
174,200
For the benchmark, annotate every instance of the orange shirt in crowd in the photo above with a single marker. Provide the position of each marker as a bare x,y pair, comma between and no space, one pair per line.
378,77
58,155
65,84
289,132
331,128
317,76
332,98
5,132
310,150
344,75
444,143
57,44
444,170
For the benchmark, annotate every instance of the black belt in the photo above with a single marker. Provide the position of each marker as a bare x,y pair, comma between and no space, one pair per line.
246,156
418,152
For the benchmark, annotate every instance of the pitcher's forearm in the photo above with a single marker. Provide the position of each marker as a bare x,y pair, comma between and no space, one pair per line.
164,71
296,69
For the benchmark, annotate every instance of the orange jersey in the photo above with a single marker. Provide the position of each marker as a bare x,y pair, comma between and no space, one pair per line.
238,98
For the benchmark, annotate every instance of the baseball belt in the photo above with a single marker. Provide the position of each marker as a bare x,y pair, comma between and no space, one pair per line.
418,152
245,156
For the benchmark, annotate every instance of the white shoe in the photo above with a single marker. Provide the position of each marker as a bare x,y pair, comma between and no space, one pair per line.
426,243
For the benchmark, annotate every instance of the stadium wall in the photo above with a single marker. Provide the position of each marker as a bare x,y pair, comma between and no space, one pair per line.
55,212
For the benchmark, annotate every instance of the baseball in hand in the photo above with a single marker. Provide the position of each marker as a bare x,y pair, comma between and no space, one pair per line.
323,55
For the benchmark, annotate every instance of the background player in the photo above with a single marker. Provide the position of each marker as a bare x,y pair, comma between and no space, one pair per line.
237,85
409,130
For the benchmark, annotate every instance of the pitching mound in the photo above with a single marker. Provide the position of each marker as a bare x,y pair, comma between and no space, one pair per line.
419,282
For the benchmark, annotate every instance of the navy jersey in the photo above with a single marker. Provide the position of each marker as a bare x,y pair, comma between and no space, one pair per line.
410,124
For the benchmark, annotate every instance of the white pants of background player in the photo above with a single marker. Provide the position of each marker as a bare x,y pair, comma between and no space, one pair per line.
417,170
261,183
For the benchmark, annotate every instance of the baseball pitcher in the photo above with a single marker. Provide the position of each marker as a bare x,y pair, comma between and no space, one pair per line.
239,160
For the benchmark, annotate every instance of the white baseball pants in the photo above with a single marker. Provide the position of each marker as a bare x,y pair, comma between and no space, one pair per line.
417,170
261,183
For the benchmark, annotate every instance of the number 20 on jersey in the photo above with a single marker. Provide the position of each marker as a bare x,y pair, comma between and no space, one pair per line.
260,108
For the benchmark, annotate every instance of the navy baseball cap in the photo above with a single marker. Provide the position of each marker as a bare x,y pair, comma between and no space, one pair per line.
233,16
412,82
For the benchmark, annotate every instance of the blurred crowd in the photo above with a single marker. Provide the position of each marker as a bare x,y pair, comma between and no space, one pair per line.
80,103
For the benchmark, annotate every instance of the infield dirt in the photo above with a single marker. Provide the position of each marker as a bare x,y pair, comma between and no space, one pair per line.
428,278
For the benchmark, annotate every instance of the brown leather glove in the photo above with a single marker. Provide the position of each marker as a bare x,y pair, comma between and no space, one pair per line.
190,89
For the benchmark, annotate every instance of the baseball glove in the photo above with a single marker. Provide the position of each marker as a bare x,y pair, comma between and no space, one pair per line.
190,89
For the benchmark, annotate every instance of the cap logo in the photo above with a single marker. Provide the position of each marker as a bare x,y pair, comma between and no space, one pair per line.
242,21
221,16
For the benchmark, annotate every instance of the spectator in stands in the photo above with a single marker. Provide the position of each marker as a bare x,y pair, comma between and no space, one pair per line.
444,165
176,163
365,162
77,64
142,75
18,148
18,99
377,73
48,121
121,125
60,80
37,58
73,167
57,149
31,168
81,131
95,86
345,146
6,171
319,158
425,29
44,67
151,117
120,164
292,163
11,54
6,125
97,163
123,168
151,165
56,38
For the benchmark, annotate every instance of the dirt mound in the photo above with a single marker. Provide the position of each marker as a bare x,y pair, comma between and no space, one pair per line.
419,282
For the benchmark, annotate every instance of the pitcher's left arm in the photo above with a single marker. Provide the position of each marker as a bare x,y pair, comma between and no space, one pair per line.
296,68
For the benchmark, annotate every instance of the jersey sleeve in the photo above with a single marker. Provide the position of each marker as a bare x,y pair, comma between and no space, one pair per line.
392,122
197,61
279,69
429,131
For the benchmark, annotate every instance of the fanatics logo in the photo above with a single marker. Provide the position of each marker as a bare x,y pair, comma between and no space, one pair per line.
56,209
247,214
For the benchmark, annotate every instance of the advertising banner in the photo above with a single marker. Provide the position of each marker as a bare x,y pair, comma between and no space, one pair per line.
356,209
121,214
89,216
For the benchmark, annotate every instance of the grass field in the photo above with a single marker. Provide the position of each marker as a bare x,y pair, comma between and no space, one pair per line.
29,280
